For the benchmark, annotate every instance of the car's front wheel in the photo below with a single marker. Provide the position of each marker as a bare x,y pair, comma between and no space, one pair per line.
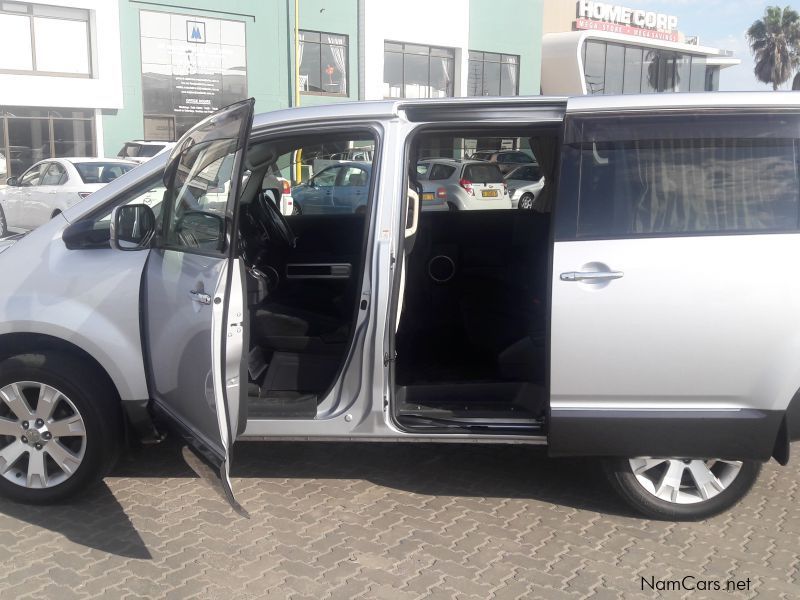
60,427
681,489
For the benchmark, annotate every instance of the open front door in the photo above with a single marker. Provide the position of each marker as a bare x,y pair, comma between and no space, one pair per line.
195,322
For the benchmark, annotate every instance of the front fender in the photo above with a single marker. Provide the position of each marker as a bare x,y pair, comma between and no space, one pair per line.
89,298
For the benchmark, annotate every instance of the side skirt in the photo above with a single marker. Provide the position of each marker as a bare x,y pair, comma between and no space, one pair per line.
727,434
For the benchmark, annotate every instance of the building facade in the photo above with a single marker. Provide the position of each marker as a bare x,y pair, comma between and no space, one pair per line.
82,77
60,68
592,47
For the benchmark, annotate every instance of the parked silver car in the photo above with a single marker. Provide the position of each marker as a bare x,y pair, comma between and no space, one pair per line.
648,319
524,184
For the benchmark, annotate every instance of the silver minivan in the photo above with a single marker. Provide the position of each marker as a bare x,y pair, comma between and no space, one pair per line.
645,313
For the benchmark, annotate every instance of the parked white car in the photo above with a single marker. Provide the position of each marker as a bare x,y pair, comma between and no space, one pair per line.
52,186
524,184
462,184
142,150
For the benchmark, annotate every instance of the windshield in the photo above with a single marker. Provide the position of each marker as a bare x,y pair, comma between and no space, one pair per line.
140,150
526,173
101,172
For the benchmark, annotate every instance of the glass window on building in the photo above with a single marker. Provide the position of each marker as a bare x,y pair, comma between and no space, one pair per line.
492,74
40,39
611,68
632,76
28,135
191,67
323,63
415,71
594,65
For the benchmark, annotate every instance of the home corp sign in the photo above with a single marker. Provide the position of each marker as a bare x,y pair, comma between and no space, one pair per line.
631,21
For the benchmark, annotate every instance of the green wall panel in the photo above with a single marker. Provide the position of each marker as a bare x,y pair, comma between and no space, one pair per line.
510,27
268,69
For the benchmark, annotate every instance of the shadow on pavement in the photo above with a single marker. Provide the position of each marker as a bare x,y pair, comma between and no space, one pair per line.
457,470
435,469
95,520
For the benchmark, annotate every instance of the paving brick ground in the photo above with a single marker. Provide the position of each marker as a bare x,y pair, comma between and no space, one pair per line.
387,521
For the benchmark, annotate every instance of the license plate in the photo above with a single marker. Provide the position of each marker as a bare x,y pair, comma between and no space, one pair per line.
427,196
489,193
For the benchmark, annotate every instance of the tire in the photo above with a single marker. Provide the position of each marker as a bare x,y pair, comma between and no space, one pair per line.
296,210
689,505
87,458
452,207
526,202
3,223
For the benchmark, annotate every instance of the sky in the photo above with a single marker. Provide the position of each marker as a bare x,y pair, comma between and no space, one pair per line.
720,24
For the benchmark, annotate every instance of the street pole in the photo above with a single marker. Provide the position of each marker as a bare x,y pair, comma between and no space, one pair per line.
298,158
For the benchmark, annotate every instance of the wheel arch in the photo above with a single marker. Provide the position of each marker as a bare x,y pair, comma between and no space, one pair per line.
25,343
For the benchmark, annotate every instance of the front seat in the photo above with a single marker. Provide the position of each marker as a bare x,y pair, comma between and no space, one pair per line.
298,324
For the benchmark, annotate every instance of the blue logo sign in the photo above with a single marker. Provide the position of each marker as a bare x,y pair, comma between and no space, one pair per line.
196,32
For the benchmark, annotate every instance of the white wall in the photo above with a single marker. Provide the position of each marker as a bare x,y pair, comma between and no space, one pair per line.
103,90
442,23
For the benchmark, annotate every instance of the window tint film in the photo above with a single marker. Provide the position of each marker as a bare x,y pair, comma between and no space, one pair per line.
489,173
687,181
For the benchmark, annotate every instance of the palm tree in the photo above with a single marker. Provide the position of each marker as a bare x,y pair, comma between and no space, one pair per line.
775,43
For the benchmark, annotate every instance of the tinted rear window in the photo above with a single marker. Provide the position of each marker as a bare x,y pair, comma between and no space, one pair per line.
488,173
677,186
439,172
99,172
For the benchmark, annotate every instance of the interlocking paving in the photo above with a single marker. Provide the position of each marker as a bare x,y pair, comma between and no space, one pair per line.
388,521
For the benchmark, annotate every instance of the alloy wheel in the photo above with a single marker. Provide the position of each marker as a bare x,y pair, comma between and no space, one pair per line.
684,481
42,435
526,202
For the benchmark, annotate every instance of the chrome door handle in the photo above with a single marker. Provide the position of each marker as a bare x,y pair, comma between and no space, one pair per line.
200,297
591,275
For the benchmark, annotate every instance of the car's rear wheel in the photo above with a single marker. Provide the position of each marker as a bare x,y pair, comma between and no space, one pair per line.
60,427
3,223
682,489
526,202
296,210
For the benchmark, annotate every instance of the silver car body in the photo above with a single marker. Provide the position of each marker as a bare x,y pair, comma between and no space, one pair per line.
517,188
700,329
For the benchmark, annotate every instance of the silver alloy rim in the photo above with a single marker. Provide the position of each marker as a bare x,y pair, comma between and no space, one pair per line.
684,481
526,202
42,435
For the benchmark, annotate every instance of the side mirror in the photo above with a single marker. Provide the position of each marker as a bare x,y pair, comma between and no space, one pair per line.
132,227
12,181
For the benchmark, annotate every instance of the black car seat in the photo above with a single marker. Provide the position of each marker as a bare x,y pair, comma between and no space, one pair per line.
295,325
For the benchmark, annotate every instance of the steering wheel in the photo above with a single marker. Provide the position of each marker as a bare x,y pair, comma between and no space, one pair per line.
274,222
